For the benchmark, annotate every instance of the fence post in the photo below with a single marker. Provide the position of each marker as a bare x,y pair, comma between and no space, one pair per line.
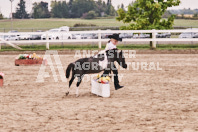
153,39
47,38
99,39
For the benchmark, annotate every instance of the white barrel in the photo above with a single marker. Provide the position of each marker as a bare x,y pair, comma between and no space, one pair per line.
100,89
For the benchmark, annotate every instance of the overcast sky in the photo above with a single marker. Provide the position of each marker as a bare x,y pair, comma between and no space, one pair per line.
5,6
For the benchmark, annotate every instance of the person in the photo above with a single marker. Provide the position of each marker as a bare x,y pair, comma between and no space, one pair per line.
112,44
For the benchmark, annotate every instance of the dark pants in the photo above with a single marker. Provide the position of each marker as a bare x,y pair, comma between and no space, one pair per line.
115,72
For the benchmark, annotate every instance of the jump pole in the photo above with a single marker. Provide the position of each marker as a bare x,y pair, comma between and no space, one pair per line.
13,45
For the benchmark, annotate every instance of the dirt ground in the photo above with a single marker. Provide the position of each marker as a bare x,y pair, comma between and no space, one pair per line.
164,100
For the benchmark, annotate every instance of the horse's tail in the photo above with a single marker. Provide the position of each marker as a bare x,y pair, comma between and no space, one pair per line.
70,66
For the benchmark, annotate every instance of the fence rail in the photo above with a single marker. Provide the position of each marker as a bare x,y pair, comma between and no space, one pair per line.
80,28
99,38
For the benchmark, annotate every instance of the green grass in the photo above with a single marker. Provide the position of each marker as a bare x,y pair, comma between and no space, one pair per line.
37,24
185,23
95,47
54,23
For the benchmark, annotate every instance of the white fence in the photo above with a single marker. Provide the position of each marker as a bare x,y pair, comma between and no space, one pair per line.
99,39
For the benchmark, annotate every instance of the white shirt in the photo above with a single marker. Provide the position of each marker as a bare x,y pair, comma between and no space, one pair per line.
110,46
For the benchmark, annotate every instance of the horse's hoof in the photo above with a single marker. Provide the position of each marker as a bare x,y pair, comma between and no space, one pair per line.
67,93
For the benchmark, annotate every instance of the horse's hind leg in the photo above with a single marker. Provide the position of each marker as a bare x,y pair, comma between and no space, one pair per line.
70,82
77,85
72,79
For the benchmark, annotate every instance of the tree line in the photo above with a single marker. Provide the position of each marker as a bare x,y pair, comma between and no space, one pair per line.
87,9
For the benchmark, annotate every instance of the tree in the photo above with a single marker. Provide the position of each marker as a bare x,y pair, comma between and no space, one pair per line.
40,10
89,15
1,16
70,7
166,14
131,4
79,7
110,9
59,9
122,6
65,10
56,9
182,16
99,8
20,10
147,15
195,15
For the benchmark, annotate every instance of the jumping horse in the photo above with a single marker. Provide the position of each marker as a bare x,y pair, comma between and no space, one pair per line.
104,61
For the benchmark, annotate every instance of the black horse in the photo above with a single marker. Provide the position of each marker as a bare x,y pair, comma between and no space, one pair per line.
104,61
